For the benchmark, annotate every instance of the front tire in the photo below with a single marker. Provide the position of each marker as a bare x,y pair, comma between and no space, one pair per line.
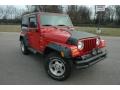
24,48
56,67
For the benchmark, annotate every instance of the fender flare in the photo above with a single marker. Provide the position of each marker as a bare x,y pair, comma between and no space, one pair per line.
60,48
25,39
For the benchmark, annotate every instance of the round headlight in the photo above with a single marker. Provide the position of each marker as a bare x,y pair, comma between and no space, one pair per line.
97,41
80,45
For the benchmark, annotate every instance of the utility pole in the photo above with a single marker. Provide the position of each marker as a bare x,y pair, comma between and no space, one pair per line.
99,21
98,10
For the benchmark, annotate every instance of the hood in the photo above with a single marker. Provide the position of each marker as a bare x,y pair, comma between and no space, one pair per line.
77,35
55,34
65,35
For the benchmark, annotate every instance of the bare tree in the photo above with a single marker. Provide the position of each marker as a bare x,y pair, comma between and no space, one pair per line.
112,12
72,10
79,14
1,12
29,8
85,14
6,13
109,14
117,8
11,10
48,8
19,13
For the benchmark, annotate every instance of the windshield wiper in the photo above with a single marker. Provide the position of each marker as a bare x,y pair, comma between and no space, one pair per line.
47,25
61,25
64,25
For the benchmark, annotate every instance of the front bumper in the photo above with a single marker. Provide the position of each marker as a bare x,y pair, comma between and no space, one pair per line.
88,60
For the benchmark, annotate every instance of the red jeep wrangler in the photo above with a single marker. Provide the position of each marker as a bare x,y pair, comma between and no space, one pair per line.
63,47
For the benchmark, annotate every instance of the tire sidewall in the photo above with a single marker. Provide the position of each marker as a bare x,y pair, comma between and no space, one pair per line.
22,44
66,64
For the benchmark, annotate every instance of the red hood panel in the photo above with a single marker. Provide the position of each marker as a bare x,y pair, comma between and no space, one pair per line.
61,35
55,34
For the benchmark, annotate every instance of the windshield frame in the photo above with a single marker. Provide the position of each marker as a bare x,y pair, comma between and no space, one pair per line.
52,14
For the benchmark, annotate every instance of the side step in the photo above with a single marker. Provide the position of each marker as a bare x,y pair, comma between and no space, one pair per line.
32,50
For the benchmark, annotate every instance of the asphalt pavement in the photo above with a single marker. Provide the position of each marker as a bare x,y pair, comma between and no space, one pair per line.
16,68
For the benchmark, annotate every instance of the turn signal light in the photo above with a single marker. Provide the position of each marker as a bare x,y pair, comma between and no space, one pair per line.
75,52
103,43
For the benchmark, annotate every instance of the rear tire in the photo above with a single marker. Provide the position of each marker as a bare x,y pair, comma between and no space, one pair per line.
24,48
56,67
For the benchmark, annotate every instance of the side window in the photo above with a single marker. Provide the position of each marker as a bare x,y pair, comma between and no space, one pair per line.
32,22
25,21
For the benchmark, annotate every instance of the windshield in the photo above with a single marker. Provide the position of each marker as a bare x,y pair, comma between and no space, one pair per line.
55,20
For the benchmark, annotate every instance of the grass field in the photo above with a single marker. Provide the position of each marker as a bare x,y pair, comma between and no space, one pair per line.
9,28
105,31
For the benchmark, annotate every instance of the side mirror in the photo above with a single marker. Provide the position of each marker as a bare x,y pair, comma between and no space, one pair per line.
32,25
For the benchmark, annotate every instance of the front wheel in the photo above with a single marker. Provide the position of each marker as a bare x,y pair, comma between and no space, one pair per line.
57,68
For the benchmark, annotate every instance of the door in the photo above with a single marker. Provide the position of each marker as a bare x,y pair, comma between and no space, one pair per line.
34,34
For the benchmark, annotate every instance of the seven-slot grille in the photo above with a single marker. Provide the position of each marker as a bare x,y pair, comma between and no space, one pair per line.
89,44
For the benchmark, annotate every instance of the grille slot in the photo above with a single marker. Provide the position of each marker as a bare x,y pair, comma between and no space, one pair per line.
89,44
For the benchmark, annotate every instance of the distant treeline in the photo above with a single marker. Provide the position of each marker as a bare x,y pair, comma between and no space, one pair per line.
10,21
18,22
80,15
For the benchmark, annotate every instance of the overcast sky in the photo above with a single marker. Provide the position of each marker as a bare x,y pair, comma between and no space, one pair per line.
20,6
